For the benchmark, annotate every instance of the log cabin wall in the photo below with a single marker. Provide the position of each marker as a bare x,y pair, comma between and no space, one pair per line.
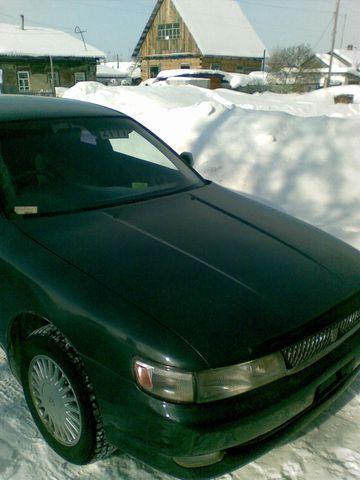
232,64
168,53
185,43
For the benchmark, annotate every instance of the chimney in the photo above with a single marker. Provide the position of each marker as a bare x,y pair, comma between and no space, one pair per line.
22,18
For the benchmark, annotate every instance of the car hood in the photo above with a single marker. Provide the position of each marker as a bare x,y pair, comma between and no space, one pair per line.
227,274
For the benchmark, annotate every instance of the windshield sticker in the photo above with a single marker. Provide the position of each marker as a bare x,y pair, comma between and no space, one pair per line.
114,133
26,210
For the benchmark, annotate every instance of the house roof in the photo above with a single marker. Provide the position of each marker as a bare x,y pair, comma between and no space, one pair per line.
127,69
337,66
118,70
105,71
42,42
219,28
352,58
344,61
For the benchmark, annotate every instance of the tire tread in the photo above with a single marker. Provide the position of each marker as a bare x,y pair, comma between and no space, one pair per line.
102,448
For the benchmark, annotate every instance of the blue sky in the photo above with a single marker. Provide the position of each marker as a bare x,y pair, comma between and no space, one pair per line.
114,26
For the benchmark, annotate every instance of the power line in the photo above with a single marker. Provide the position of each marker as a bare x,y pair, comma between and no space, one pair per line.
282,7
323,34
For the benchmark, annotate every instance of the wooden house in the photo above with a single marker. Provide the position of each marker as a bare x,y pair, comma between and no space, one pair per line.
198,34
36,60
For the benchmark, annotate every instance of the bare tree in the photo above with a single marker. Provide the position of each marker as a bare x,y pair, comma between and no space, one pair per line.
285,67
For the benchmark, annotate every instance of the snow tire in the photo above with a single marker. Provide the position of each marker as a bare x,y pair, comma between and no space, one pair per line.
89,444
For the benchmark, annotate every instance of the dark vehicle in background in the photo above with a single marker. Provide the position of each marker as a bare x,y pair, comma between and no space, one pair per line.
146,309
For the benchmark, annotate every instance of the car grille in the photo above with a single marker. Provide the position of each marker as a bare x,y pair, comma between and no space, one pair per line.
302,352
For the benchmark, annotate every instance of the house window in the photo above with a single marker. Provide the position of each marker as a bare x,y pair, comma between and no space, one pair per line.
23,81
215,66
56,79
168,31
240,68
185,66
154,70
79,77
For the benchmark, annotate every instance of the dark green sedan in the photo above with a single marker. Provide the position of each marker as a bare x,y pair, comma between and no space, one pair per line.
146,309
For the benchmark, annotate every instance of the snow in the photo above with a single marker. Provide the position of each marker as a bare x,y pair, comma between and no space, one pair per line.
351,58
234,80
125,69
298,153
231,32
39,41
164,74
338,65
104,70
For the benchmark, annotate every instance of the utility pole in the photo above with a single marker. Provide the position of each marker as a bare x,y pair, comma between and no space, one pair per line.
264,61
328,80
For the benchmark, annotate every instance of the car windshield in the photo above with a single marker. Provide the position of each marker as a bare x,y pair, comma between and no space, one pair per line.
58,166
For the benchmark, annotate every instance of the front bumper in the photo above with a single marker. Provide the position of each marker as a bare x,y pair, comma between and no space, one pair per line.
245,426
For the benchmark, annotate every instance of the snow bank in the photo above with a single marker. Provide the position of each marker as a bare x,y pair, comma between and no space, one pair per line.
260,144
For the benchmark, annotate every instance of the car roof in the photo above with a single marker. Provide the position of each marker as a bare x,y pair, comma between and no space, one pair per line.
31,107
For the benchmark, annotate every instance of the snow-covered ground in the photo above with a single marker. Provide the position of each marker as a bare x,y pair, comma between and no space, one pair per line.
300,153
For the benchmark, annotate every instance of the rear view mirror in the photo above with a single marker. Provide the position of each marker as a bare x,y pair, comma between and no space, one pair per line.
188,158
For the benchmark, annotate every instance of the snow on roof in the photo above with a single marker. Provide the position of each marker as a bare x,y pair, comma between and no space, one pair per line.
337,66
105,71
219,27
118,70
126,69
41,42
344,61
352,57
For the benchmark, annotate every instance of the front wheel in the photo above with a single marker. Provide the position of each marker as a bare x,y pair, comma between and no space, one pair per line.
61,399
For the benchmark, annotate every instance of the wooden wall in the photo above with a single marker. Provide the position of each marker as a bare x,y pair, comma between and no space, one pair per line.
233,64
39,69
167,63
152,46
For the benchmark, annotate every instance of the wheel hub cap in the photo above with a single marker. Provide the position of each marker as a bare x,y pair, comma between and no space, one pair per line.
55,400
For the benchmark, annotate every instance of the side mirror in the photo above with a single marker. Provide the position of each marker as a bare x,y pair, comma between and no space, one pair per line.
188,158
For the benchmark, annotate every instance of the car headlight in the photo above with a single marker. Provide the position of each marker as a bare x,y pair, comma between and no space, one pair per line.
208,385
229,381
